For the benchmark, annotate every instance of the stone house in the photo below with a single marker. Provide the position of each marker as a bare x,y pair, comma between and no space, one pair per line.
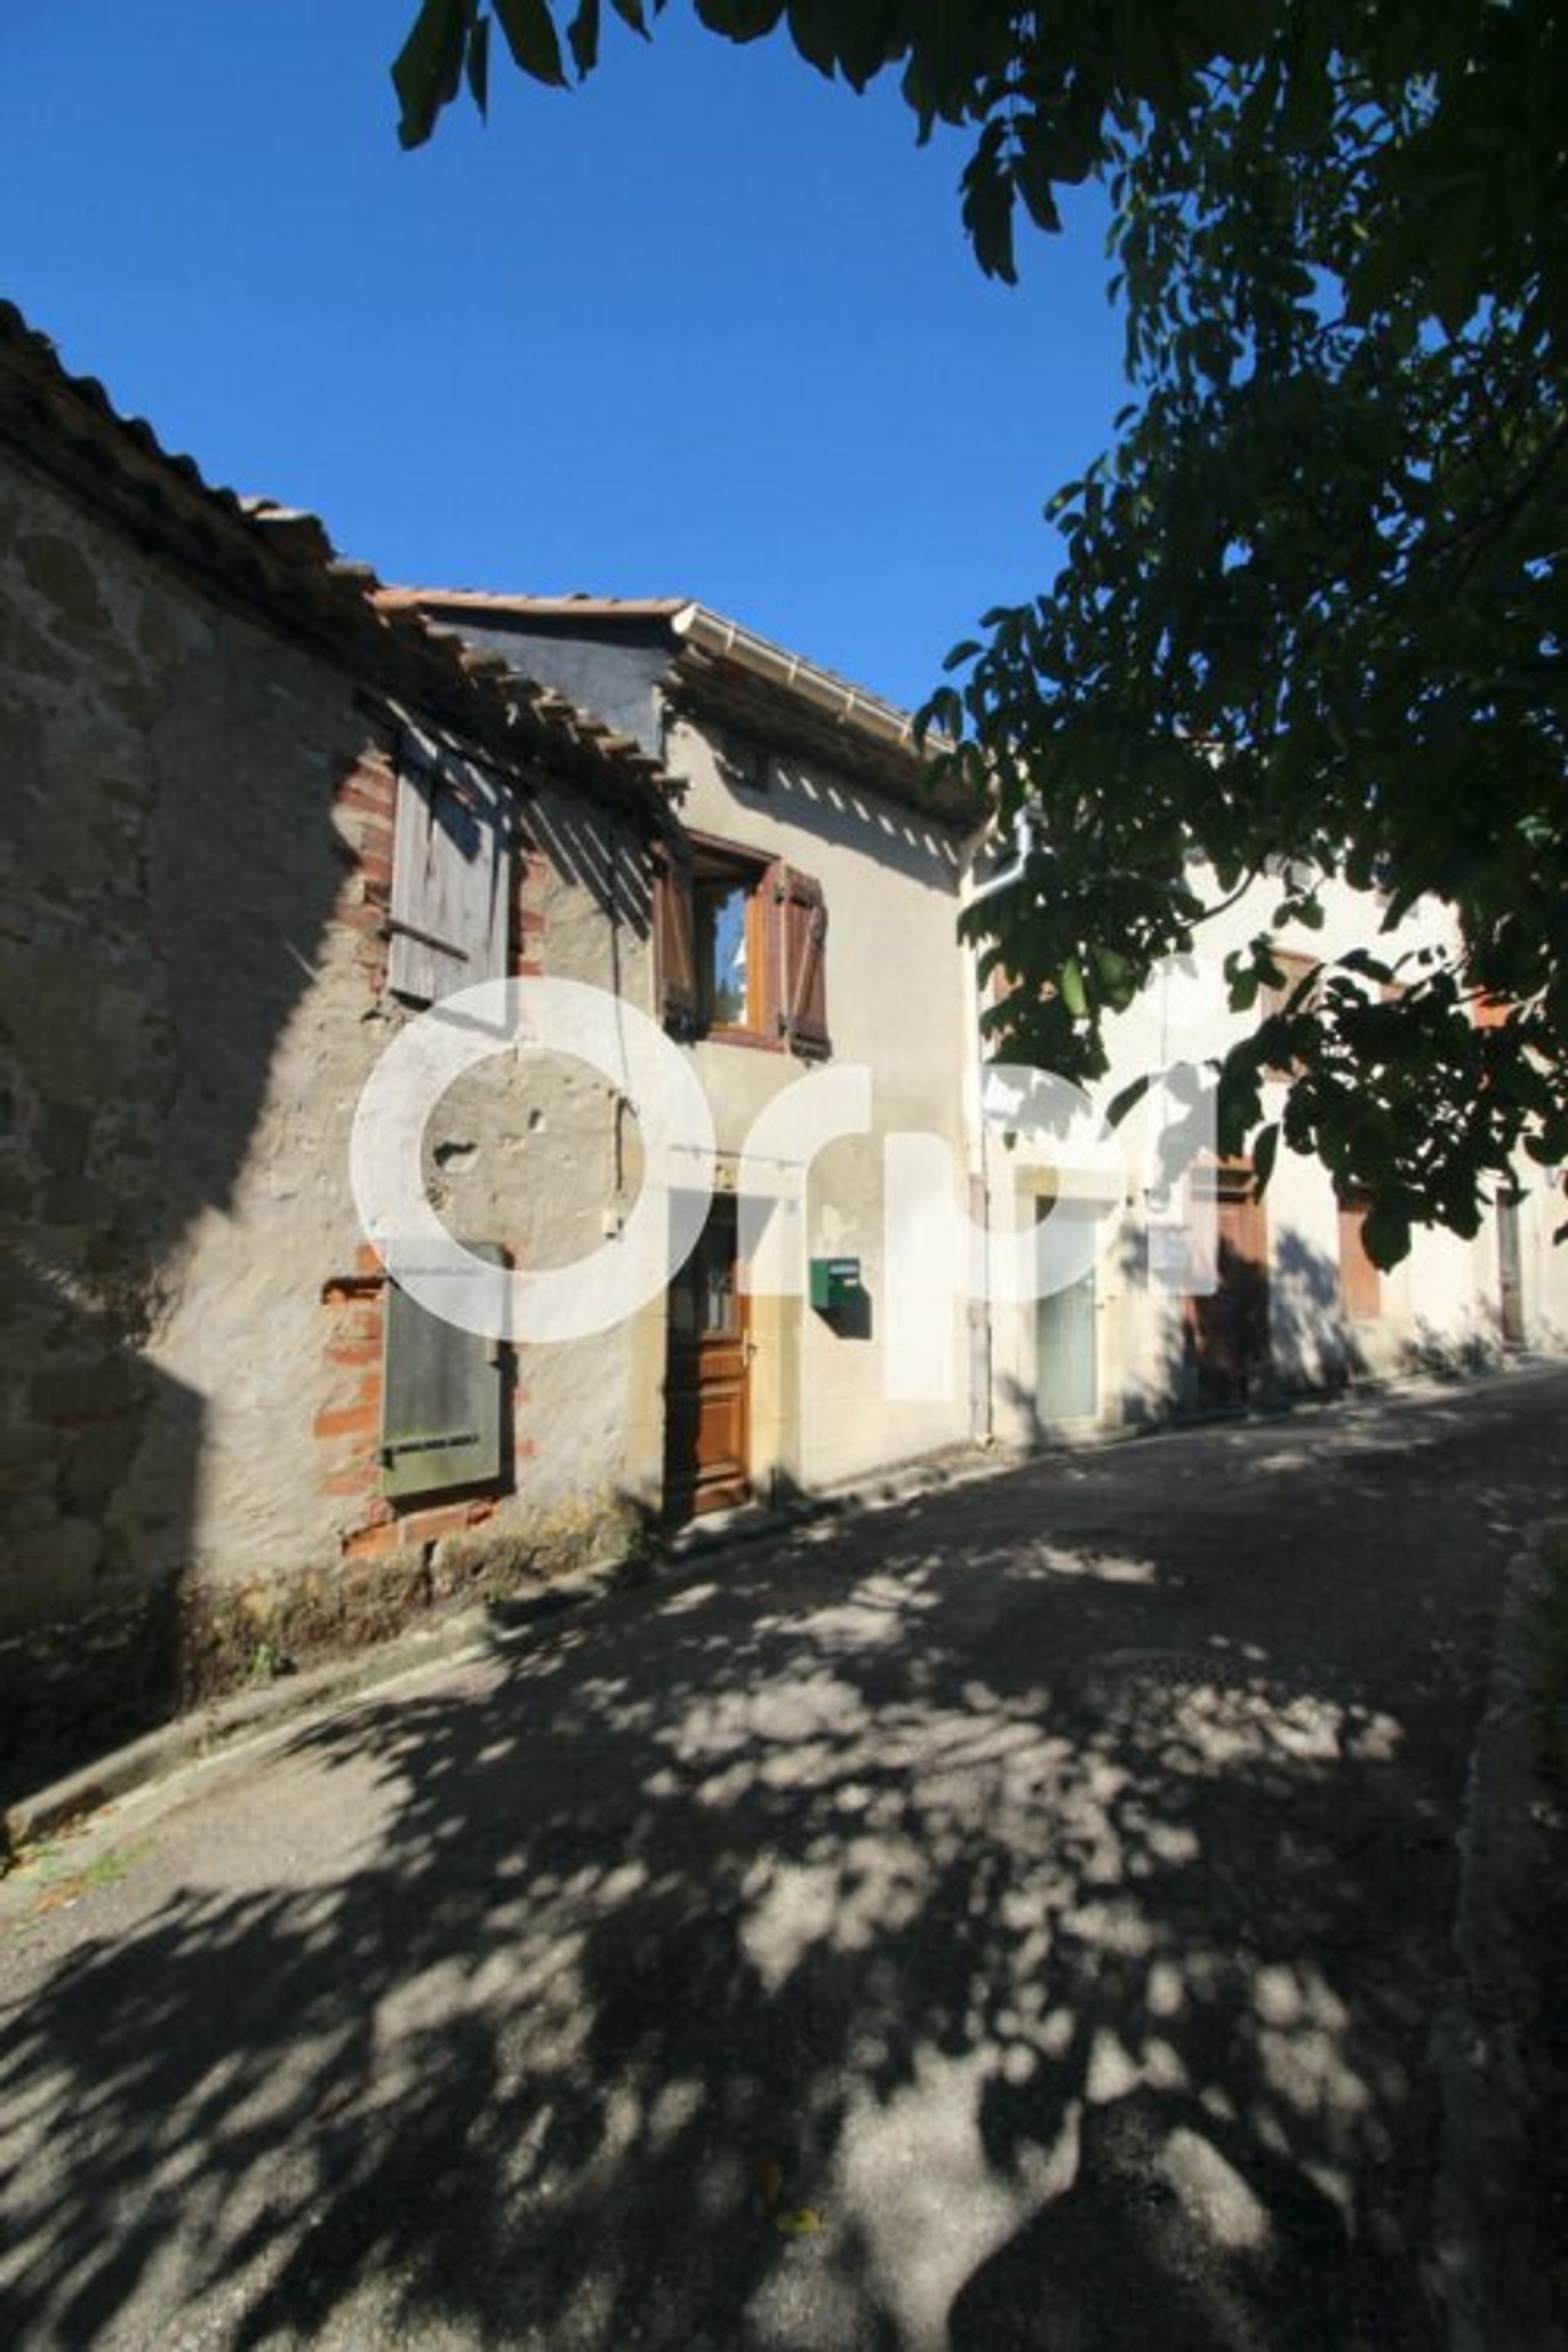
805,896
252,821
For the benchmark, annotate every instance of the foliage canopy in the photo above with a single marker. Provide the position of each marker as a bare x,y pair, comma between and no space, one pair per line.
1311,624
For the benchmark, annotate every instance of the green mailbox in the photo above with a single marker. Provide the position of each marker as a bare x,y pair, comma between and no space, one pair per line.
835,1284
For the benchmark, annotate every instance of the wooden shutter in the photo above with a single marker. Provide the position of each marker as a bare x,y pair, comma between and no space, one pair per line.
802,966
1275,1001
449,878
441,1409
675,937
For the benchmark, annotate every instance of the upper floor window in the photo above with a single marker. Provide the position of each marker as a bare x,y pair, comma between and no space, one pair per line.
729,923
741,942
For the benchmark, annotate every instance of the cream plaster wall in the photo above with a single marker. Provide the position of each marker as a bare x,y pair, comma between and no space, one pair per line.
897,1003
1441,1304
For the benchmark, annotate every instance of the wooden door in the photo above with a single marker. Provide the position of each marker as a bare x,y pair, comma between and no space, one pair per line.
1511,1271
1227,1330
707,1416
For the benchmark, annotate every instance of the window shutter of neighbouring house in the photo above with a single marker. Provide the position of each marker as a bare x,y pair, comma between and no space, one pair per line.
441,1410
1297,993
449,877
803,963
675,936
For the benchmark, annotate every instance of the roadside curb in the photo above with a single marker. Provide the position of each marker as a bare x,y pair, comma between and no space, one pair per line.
229,1723
233,1722
220,1724
1487,2271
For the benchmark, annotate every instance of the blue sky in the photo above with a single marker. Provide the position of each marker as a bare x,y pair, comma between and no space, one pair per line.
707,326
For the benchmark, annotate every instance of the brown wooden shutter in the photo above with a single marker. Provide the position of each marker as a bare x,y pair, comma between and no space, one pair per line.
803,993
675,937
1274,1000
450,877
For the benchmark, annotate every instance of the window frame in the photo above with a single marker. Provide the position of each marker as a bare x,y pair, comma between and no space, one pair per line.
786,934
718,868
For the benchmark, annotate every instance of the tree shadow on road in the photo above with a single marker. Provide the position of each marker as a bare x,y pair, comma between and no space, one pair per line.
920,1937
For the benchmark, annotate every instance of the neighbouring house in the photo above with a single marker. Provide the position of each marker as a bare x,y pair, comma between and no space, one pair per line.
1289,1301
252,823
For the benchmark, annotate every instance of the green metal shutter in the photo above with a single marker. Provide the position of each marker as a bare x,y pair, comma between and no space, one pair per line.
441,1411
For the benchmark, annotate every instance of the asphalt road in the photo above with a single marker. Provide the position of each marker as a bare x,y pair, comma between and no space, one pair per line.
1012,1920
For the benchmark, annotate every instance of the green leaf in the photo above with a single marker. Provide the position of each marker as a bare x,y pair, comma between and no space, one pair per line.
813,28
428,68
1128,1099
1385,1232
1265,1151
741,20
1069,980
530,36
582,37
479,64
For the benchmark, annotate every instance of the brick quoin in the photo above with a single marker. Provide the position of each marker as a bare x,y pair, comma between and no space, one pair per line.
419,1527
365,798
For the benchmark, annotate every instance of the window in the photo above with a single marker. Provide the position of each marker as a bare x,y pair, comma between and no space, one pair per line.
450,872
741,942
730,923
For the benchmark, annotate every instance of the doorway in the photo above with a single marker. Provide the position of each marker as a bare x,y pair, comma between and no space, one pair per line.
707,1462
1510,1270
1226,1332
1066,1371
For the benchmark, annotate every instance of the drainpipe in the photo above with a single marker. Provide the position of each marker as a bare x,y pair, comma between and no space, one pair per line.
1026,825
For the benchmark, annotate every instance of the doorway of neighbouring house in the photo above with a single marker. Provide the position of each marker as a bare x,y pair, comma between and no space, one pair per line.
1226,1328
707,1405
1067,1373
1511,1271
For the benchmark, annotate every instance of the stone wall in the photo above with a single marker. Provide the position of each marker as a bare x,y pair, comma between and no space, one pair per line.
195,868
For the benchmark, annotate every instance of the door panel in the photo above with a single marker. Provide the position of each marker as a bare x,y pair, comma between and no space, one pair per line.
707,1376
1510,1272
1067,1385
1227,1331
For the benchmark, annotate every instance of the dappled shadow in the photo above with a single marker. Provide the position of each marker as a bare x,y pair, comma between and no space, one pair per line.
1012,1921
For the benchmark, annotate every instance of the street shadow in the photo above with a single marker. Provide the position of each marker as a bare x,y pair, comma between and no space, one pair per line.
963,1931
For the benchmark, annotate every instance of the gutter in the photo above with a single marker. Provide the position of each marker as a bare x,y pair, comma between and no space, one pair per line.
852,705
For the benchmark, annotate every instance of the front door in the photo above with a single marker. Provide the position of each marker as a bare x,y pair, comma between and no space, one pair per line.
1067,1387
706,1407
1227,1330
1511,1272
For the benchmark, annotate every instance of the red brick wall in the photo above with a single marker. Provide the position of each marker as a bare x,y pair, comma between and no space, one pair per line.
348,1427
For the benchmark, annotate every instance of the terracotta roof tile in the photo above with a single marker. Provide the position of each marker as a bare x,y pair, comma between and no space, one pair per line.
282,559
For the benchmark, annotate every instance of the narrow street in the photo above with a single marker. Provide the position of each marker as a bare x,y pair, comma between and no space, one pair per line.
1012,1918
